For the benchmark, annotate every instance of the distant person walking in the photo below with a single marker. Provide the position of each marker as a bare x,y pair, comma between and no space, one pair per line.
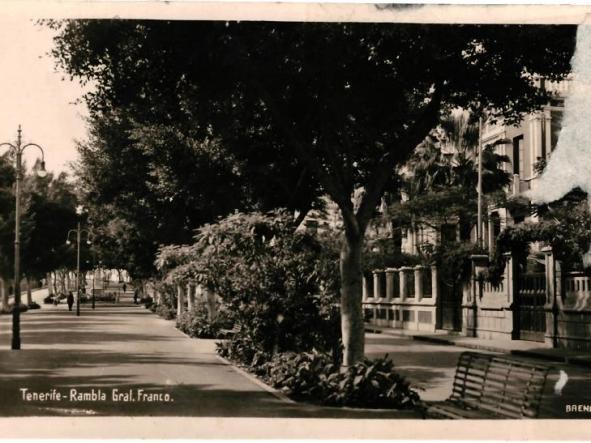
124,288
70,300
135,296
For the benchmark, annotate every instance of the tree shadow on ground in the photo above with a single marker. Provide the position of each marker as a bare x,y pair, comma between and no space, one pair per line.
204,399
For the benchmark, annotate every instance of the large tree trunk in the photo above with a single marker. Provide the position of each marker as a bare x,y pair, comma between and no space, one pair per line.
83,282
211,303
4,283
9,289
48,282
352,326
53,275
62,280
29,296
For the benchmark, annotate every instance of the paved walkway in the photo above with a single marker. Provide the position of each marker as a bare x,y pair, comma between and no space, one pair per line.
131,349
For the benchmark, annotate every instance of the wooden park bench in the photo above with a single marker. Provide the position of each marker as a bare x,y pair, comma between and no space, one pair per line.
492,386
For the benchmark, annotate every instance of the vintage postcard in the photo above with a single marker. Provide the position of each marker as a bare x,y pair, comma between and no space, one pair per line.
295,220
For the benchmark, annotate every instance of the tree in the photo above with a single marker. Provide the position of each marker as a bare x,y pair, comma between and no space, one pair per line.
349,101
441,177
7,177
564,225
47,206
263,270
151,183
50,214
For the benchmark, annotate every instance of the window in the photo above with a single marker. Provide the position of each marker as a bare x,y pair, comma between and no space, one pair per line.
448,233
518,155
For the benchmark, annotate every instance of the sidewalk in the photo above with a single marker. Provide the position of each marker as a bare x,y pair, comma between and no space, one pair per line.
125,361
522,348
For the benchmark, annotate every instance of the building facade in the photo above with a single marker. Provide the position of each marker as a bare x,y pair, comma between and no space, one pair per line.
535,301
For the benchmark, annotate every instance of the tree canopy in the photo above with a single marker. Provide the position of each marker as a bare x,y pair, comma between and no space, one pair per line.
48,212
342,103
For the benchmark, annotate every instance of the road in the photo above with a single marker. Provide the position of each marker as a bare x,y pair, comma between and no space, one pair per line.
431,368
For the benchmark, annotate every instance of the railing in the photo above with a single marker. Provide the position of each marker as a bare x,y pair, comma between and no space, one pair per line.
401,297
489,288
534,283
561,88
577,290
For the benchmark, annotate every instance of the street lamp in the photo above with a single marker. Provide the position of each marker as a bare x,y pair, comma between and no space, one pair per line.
79,232
16,150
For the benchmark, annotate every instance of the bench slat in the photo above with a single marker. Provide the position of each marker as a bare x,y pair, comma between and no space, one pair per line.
487,385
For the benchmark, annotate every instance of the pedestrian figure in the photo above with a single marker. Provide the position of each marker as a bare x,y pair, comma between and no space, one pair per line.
70,300
124,288
135,295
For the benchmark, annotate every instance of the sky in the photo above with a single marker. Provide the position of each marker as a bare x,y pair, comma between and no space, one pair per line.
34,95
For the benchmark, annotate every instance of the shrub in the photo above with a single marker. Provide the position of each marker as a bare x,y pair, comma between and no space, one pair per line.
147,301
299,375
240,349
33,305
313,376
381,253
49,299
165,312
273,280
106,297
370,384
196,323
453,262
8,310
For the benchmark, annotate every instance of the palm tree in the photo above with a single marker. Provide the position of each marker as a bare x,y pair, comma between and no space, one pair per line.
448,159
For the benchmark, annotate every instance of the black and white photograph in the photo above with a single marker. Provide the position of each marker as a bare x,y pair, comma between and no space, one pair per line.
362,220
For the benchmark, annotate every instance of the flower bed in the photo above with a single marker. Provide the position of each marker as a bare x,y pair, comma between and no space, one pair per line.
315,378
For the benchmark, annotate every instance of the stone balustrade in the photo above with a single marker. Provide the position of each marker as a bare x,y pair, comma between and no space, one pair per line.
577,292
573,312
404,298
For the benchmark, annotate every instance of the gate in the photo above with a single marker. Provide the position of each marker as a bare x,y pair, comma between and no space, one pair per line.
530,300
449,309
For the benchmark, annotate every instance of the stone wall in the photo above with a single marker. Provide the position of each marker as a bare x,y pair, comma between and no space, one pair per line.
572,325
488,309
402,298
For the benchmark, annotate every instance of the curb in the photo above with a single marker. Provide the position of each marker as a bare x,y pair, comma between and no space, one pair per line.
257,381
575,360
443,341
281,396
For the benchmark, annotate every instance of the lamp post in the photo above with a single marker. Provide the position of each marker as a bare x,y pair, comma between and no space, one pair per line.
16,150
78,231
479,233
